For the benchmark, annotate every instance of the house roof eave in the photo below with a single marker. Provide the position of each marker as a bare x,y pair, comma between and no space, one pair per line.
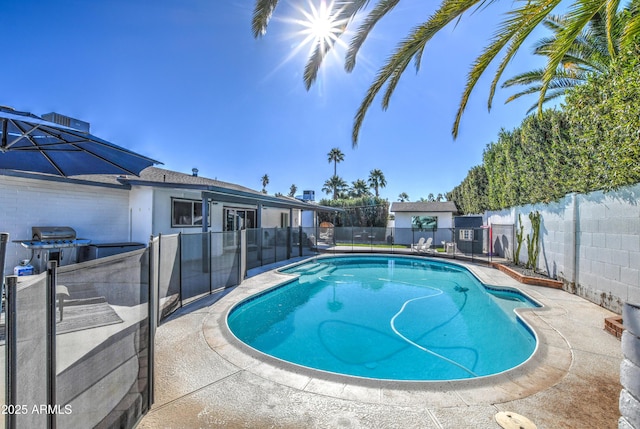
216,193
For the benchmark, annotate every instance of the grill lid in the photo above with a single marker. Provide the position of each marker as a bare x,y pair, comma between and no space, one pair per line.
43,233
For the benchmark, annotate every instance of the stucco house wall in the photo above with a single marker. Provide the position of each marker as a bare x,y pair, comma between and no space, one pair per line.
95,212
403,212
115,209
403,219
271,217
161,223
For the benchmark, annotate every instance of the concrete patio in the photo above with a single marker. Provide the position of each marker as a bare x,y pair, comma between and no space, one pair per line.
206,378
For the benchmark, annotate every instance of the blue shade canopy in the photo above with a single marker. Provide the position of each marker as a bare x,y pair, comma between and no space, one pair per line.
29,143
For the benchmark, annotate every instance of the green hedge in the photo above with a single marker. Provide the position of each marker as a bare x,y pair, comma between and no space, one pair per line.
592,143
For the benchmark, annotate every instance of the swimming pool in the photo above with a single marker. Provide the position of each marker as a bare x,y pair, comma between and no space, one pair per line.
387,317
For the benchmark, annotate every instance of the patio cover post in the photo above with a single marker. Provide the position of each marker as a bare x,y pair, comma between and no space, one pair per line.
242,266
206,236
205,213
290,235
259,226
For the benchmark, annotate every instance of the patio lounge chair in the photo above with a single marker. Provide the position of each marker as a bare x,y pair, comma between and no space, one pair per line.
426,247
418,245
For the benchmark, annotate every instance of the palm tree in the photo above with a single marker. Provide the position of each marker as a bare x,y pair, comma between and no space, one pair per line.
439,198
292,190
359,188
335,185
588,54
265,182
335,155
523,18
403,197
377,180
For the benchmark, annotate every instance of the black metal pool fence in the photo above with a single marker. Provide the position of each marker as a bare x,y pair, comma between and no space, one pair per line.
191,266
78,339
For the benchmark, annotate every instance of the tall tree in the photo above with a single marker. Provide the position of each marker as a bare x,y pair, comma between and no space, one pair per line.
403,197
335,185
359,188
292,190
523,18
265,182
335,155
377,180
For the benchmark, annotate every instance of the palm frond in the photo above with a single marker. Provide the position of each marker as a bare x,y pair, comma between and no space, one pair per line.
579,15
525,21
342,13
551,95
588,54
543,46
414,43
373,17
525,78
314,62
631,30
262,13
514,29
611,14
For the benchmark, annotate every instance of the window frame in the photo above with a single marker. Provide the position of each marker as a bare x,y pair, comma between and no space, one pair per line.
194,204
249,216
466,234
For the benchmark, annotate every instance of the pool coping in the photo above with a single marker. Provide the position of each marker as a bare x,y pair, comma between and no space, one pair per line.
549,363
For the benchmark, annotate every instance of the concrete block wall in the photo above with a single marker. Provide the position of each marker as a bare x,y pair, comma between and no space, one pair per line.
591,242
555,257
100,214
630,369
608,258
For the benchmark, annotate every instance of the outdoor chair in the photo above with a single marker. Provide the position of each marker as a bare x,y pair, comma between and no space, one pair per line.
418,245
426,246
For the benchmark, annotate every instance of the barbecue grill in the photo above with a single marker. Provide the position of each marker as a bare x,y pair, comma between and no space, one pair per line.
47,244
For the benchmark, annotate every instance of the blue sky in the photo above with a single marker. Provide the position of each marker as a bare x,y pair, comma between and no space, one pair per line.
185,82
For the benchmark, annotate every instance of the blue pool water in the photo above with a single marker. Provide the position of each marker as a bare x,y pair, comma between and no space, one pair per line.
384,317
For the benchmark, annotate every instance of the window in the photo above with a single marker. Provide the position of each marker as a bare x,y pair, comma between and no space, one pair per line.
186,213
424,222
284,220
466,235
236,219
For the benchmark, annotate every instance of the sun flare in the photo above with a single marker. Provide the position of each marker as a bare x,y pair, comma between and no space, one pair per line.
318,27
321,24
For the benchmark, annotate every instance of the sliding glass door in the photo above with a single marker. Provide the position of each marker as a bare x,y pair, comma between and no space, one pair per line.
236,219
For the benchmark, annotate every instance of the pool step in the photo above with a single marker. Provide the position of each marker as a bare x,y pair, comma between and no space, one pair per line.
315,269
312,275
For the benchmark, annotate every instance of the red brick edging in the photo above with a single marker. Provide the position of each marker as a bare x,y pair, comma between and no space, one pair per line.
614,326
535,281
